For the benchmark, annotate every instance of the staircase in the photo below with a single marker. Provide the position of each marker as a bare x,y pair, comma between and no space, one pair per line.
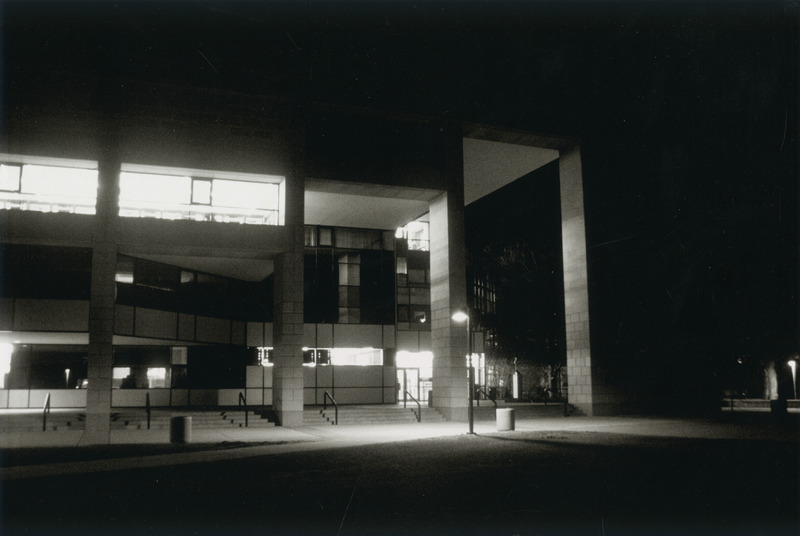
370,414
129,419
136,419
31,422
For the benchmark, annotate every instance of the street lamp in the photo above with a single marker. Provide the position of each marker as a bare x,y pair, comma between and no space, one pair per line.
461,316
793,366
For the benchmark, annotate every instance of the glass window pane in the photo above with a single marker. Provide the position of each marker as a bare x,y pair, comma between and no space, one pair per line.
201,192
161,189
59,181
310,236
241,194
9,177
325,236
417,277
402,265
420,296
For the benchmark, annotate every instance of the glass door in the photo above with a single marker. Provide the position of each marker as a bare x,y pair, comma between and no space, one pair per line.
407,380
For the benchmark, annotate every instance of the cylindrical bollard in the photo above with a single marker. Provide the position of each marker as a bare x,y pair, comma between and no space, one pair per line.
180,430
505,419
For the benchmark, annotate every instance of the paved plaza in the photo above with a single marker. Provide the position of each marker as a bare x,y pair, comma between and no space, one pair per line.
734,474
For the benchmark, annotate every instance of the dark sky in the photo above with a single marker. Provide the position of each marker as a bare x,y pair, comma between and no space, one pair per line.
687,113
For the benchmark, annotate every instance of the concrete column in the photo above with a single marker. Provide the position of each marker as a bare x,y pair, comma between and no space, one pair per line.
287,382
585,387
449,288
101,304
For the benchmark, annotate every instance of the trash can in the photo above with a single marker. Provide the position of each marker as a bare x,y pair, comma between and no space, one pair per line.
505,419
180,429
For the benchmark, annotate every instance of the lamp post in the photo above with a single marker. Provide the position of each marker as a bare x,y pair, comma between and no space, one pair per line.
793,366
461,316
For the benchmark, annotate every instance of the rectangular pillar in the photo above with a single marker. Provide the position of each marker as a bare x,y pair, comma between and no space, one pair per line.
287,380
101,305
585,388
449,288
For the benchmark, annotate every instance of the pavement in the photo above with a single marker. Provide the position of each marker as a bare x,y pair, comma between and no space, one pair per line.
148,448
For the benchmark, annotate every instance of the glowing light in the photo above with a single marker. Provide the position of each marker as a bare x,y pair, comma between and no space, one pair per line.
157,373
460,316
418,360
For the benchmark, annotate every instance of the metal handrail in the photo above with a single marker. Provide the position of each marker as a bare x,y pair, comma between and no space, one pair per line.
482,390
325,398
243,402
45,411
147,408
418,413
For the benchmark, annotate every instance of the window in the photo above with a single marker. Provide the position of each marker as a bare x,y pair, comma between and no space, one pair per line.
146,283
310,234
359,238
417,234
361,357
48,185
350,288
188,195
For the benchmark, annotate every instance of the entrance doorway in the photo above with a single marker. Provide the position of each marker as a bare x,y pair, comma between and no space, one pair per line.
407,380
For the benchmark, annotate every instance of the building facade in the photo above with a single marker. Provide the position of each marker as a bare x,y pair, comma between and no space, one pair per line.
194,246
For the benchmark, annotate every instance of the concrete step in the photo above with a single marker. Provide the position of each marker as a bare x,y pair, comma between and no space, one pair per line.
388,414
31,422
213,419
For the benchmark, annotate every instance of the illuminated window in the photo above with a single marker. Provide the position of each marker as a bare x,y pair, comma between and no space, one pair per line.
121,378
157,377
265,356
6,350
361,357
61,187
246,199
121,372
417,233
9,177
201,192
419,360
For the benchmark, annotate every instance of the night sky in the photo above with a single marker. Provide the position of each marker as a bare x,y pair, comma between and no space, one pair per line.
687,114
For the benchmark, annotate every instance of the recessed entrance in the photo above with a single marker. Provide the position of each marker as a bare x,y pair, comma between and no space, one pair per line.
408,384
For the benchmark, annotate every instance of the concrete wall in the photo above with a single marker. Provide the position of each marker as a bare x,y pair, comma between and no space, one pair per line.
35,398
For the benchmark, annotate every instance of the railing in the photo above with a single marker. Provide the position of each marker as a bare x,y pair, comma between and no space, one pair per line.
45,411
243,402
418,413
147,408
335,406
480,390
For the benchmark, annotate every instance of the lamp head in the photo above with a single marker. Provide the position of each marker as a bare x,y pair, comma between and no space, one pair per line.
460,316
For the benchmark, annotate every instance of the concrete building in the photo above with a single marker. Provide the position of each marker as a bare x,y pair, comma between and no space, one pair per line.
194,246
